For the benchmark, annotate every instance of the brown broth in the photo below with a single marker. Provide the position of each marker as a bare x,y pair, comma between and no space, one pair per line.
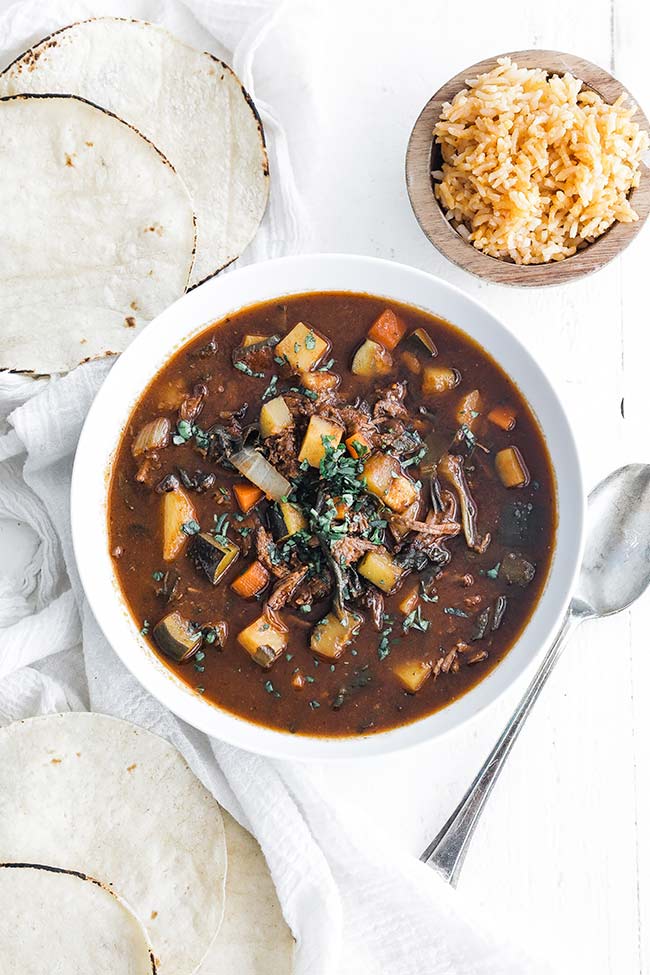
229,677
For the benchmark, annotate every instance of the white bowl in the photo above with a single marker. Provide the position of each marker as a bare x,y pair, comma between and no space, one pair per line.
177,325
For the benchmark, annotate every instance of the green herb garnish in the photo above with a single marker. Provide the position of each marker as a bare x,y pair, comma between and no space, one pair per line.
415,621
248,371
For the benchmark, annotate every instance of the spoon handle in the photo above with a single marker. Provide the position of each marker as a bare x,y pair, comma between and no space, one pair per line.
446,853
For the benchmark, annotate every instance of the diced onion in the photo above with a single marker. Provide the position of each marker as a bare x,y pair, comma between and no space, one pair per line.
257,469
152,436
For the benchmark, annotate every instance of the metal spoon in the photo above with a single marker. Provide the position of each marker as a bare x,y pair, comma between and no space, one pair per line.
615,571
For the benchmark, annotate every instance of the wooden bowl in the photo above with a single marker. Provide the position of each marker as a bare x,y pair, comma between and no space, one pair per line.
423,157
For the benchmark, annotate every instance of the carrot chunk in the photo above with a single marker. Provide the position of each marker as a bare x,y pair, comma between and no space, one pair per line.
247,496
503,417
388,330
357,446
251,581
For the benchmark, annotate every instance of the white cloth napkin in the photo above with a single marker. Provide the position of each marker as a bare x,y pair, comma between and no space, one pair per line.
354,909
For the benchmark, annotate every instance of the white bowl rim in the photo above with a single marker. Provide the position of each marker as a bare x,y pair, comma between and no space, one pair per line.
213,301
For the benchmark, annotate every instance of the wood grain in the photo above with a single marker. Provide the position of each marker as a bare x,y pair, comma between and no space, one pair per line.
422,156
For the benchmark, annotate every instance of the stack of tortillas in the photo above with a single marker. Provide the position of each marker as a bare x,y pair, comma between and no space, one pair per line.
131,168
115,860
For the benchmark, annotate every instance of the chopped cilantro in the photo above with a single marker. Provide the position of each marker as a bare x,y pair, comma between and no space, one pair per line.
145,627
191,527
494,571
452,611
384,644
247,370
270,389
157,575
220,529
415,621
310,341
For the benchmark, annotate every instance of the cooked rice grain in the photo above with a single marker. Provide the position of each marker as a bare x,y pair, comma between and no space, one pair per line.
535,166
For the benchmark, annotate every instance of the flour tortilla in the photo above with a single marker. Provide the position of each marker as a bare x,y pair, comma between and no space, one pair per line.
188,103
254,938
65,924
90,793
96,238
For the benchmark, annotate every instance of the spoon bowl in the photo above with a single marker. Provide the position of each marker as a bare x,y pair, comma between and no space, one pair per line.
615,568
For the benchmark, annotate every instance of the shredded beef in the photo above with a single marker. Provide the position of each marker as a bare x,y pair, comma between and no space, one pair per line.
266,548
313,590
285,589
193,403
350,548
282,450
355,418
390,402
299,404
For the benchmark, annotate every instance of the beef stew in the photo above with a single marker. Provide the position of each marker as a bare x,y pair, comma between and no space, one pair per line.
332,514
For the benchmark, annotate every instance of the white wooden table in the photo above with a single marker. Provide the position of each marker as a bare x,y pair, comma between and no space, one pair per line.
563,850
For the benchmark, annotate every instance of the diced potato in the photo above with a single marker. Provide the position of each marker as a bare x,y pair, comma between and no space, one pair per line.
319,382
263,641
293,518
253,340
381,569
171,394
303,348
275,417
410,601
511,468
371,360
332,635
469,409
412,674
438,379
358,446
384,479
313,447
177,510
399,529
378,472
402,493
